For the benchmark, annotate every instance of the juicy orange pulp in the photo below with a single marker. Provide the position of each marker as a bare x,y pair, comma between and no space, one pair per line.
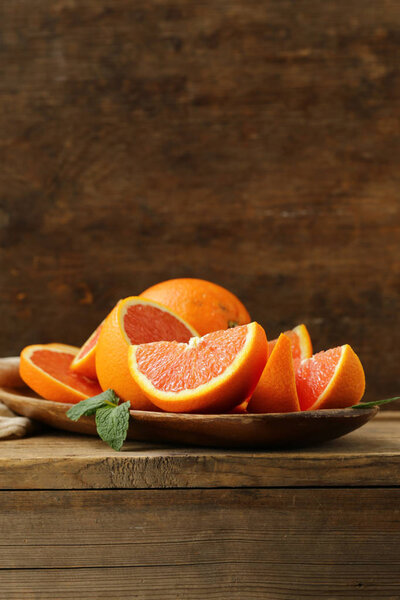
144,323
57,365
173,367
46,369
314,374
213,373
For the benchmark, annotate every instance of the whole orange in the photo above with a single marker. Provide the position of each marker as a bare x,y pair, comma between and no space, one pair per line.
205,305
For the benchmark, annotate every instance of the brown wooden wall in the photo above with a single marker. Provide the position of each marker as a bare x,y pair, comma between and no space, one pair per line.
253,143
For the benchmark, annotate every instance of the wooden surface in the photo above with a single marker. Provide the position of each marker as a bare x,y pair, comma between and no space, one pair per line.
200,524
201,544
368,456
250,143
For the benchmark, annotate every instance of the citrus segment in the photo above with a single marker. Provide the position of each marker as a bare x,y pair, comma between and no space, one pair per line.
134,320
205,305
276,390
46,369
209,374
331,379
85,361
300,341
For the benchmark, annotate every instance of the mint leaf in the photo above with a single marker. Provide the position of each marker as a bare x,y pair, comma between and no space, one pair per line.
112,418
112,424
88,407
375,403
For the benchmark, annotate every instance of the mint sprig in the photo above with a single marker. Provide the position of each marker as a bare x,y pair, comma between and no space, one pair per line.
112,418
112,424
375,403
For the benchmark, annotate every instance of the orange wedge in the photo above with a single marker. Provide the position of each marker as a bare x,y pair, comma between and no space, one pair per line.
300,341
276,390
46,369
85,361
134,320
209,374
331,379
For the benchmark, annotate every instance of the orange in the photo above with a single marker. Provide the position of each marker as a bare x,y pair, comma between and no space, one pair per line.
300,340
205,305
213,373
241,409
46,369
276,390
134,320
331,379
85,361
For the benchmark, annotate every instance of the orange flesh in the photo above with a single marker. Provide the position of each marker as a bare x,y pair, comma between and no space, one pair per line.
295,341
314,374
144,324
57,364
89,344
173,366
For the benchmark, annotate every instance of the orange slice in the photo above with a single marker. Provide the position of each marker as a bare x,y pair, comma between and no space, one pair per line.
300,340
276,390
46,369
331,379
241,409
209,374
85,361
134,320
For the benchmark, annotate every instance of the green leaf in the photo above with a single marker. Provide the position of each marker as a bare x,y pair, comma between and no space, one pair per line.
375,403
112,424
88,407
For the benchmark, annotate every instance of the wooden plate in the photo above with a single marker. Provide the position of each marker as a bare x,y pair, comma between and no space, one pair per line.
277,430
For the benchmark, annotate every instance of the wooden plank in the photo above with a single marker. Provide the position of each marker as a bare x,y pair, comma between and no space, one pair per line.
241,141
251,544
366,457
202,582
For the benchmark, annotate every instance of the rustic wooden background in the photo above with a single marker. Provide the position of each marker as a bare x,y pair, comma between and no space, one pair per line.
253,143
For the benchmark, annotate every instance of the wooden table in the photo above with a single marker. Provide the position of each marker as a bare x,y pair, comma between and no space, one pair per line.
79,520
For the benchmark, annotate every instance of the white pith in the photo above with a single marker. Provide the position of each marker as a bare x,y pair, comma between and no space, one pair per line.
193,342
188,393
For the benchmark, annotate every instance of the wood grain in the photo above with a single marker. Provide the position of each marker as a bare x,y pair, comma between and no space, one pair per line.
248,143
369,456
253,544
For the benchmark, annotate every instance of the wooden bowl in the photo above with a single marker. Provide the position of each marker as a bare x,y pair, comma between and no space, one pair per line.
279,430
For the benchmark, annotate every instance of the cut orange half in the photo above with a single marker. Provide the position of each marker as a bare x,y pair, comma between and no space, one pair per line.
331,379
134,320
276,390
213,373
300,341
85,361
45,368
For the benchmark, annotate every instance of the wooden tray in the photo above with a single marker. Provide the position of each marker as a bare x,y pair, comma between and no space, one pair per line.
228,431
